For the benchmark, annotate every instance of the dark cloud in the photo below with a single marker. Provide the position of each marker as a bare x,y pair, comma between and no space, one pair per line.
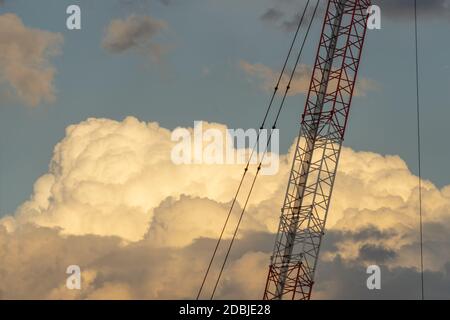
286,13
175,273
369,252
345,278
135,32
154,272
370,233
272,15
373,233
338,279
145,2
404,8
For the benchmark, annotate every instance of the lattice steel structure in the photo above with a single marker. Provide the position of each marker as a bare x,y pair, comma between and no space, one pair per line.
305,209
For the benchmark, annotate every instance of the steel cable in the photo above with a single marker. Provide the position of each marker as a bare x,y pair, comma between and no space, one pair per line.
253,150
419,148
288,86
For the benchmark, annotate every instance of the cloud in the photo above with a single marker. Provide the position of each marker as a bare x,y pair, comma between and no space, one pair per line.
370,252
285,14
26,73
267,78
404,9
123,162
143,2
345,281
272,14
178,223
134,33
141,227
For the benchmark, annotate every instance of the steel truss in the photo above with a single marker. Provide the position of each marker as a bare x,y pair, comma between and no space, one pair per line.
323,124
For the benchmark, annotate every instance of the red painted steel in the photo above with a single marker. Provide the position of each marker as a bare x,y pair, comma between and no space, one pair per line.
322,130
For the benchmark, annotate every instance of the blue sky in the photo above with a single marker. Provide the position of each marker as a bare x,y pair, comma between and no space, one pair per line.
215,35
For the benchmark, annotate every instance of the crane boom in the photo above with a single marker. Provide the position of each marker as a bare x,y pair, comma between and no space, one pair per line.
322,130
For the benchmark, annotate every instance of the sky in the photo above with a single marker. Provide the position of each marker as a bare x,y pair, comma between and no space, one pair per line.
201,66
171,63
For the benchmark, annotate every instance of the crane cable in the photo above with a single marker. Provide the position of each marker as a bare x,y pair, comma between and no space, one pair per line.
294,40
275,122
288,86
419,151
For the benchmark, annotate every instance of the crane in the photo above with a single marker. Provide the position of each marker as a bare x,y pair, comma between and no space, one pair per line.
323,125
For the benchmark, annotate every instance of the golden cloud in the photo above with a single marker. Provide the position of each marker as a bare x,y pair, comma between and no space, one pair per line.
140,226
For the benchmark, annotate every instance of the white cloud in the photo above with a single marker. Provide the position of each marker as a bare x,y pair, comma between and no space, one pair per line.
112,196
108,178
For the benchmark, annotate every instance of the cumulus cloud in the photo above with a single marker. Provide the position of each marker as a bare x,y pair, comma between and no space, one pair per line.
266,77
141,227
25,53
123,162
134,33
179,222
